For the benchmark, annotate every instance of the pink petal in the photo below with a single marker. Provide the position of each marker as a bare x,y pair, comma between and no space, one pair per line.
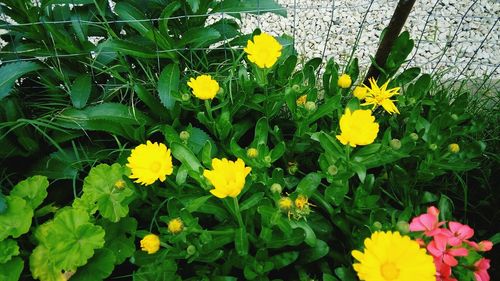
450,260
434,250
429,221
458,252
485,245
433,211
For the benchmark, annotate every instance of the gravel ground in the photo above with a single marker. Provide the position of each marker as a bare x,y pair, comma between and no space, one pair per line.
477,32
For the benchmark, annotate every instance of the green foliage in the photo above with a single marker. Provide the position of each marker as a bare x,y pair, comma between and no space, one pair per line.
13,71
16,221
33,190
8,250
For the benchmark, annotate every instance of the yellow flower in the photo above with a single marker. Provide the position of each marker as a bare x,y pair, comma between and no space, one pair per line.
227,177
381,96
119,184
149,162
360,92
175,226
285,203
252,152
301,202
150,243
204,87
344,81
301,100
358,128
388,256
264,51
454,148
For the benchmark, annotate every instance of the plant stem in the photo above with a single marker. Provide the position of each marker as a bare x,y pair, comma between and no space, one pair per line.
237,212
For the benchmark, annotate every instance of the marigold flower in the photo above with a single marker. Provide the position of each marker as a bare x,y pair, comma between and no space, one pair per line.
344,81
227,177
301,202
204,87
359,92
454,148
252,152
150,243
175,226
358,128
264,50
389,256
285,203
380,96
149,162
301,101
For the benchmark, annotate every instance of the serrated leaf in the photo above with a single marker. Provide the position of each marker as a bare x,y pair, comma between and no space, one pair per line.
99,267
17,219
197,139
13,71
70,238
8,249
99,185
80,91
11,270
168,84
33,190
186,156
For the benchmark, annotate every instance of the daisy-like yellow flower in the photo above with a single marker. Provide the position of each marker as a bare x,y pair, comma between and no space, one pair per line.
150,243
344,81
359,92
380,96
301,101
285,203
388,256
204,87
227,177
357,128
301,202
264,50
175,226
150,162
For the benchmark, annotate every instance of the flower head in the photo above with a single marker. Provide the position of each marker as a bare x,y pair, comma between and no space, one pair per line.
264,50
285,204
120,184
150,243
344,81
175,226
252,152
389,256
380,96
358,128
481,270
454,148
438,249
301,101
149,162
227,177
204,87
359,92
429,222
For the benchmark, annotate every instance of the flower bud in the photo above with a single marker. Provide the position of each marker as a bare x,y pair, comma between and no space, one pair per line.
252,152
360,92
292,168
285,204
433,147
184,135
403,227
185,97
377,225
454,117
120,184
191,250
276,188
414,136
454,148
310,106
220,92
332,170
344,81
295,88
268,159
175,226
395,144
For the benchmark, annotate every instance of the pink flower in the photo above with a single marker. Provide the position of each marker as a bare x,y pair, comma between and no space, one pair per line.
428,222
483,246
457,233
443,271
438,249
481,272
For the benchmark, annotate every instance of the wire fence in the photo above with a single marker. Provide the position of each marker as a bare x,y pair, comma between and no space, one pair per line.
460,38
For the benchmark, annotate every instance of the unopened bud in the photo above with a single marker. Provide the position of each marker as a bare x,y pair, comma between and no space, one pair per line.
454,148
120,184
185,97
433,147
332,170
276,188
377,225
296,88
454,117
184,135
191,249
252,152
395,144
268,159
310,106
403,227
414,136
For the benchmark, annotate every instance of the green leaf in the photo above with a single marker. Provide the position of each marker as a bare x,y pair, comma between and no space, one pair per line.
241,241
120,238
199,37
8,250
17,219
70,239
310,238
13,71
320,250
252,201
117,112
80,91
168,84
11,270
249,6
33,190
99,185
194,4
134,49
99,267
309,184
69,2
195,204
43,268
335,193
3,204
151,101
197,139
183,154
284,259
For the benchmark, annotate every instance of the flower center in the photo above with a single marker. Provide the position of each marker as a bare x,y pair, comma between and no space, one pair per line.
154,167
389,271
